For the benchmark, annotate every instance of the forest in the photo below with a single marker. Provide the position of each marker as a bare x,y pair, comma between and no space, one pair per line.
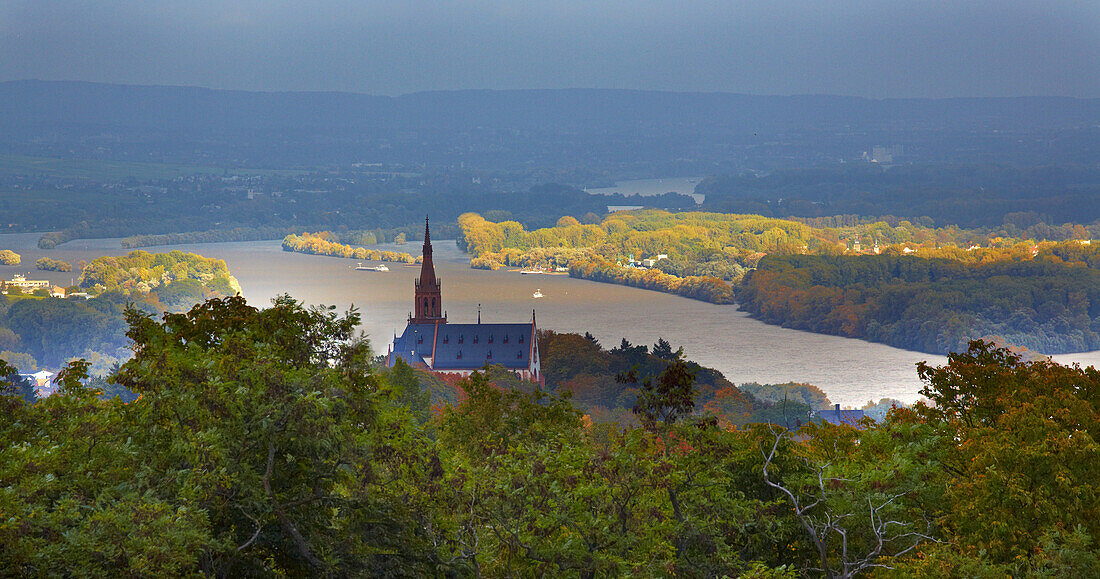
322,243
1013,201
907,285
277,448
48,264
1049,303
140,272
42,331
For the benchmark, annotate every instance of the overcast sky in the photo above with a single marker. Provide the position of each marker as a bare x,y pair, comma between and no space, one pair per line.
874,48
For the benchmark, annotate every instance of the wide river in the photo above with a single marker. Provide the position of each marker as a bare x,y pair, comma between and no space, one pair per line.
850,371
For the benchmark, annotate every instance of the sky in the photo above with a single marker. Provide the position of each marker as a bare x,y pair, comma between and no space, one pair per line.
871,48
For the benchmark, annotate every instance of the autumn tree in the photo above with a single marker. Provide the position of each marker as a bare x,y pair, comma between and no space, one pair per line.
1019,447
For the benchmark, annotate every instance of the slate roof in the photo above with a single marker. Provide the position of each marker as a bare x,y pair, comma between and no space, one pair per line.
466,346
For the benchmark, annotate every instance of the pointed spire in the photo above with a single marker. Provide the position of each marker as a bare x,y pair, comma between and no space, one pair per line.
532,315
427,238
479,313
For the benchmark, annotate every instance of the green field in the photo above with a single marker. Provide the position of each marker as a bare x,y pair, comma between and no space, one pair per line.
103,170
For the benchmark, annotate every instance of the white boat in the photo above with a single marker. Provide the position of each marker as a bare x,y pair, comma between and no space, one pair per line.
536,269
537,294
379,267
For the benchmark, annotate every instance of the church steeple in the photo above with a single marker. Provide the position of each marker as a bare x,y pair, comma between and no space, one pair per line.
428,301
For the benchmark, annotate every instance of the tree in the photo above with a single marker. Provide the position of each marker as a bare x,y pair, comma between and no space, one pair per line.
14,385
662,349
857,514
406,391
261,443
267,418
1020,441
670,397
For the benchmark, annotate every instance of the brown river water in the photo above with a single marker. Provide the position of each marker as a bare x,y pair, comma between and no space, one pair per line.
850,371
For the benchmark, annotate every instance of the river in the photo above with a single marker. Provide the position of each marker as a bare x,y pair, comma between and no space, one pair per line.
850,371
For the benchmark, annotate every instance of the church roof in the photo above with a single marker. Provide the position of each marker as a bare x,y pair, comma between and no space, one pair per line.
466,346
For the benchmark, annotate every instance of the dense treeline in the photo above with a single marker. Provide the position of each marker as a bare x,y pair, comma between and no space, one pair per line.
702,254
1011,199
393,203
48,332
705,288
278,449
208,236
48,264
710,248
321,243
355,237
52,331
1049,303
9,257
141,272
581,366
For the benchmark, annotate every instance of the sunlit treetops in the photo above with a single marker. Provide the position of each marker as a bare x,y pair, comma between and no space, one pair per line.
141,271
321,243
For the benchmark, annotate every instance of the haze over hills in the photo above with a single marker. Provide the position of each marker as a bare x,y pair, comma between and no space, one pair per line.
495,129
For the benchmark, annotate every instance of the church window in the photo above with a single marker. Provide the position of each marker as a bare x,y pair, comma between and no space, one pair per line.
446,338
519,355
475,338
505,338
490,338
489,355
420,339
459,354
460,338
521,339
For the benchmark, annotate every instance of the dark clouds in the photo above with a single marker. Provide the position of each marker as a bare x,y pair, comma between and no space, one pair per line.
878,48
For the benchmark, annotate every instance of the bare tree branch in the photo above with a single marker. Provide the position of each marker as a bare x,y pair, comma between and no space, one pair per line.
280,514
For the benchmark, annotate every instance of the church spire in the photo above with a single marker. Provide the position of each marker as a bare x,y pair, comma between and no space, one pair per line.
428,299
427,238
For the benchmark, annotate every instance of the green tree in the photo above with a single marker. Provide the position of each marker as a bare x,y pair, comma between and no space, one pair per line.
14,385
671,396
268,418
1019,447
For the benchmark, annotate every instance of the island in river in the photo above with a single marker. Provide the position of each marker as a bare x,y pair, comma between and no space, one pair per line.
850,371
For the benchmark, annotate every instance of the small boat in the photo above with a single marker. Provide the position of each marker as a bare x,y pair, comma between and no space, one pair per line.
535,269
379,267
537,294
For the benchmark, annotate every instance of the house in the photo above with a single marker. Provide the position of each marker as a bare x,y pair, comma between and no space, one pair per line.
20,281
42,382
838,416
429,341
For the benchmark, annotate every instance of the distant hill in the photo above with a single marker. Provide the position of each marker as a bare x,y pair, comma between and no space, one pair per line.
513,126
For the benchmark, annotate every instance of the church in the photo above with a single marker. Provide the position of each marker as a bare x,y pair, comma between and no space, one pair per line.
430,342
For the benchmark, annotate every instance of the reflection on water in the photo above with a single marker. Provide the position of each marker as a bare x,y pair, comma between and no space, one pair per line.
745,350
